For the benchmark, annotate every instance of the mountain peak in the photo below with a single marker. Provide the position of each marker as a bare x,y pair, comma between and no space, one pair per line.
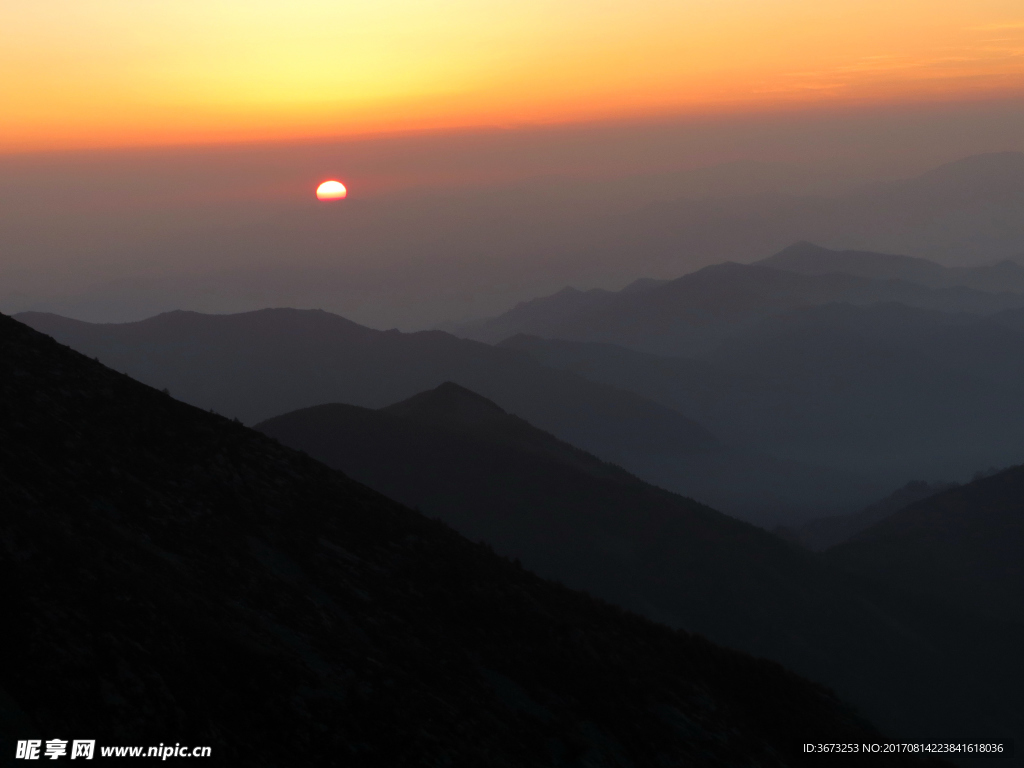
448,403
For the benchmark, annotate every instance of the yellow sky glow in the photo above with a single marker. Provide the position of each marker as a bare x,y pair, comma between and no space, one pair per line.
123,72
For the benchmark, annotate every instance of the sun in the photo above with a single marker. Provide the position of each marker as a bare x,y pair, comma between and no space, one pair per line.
331,190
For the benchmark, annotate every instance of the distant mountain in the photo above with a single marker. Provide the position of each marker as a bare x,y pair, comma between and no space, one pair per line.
694,313
806,258
168,576
964,546
591,525
886,390
810,259
826,532
260,364
544,312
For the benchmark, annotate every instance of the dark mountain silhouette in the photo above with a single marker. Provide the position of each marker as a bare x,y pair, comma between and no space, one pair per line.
826,532
886,390
809,259
569,516
964,546
694,313
260,364
167,575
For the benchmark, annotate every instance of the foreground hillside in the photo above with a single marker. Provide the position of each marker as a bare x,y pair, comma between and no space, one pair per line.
166,575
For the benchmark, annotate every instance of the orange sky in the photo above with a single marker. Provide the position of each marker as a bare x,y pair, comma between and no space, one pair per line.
124,72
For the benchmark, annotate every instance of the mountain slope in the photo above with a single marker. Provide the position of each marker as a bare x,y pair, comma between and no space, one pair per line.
259,364
964,546
569,516
826,532
166,575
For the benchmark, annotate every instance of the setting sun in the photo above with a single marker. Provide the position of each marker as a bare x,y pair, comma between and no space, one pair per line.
331,190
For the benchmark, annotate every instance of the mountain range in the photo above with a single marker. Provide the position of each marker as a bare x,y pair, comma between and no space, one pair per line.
693,314
812,394
859,370
260,364
168,575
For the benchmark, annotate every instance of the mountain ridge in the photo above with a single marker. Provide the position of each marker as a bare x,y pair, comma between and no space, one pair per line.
692,314
257,365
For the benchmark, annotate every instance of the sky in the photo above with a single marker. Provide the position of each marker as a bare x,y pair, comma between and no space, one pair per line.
119,73
163,154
